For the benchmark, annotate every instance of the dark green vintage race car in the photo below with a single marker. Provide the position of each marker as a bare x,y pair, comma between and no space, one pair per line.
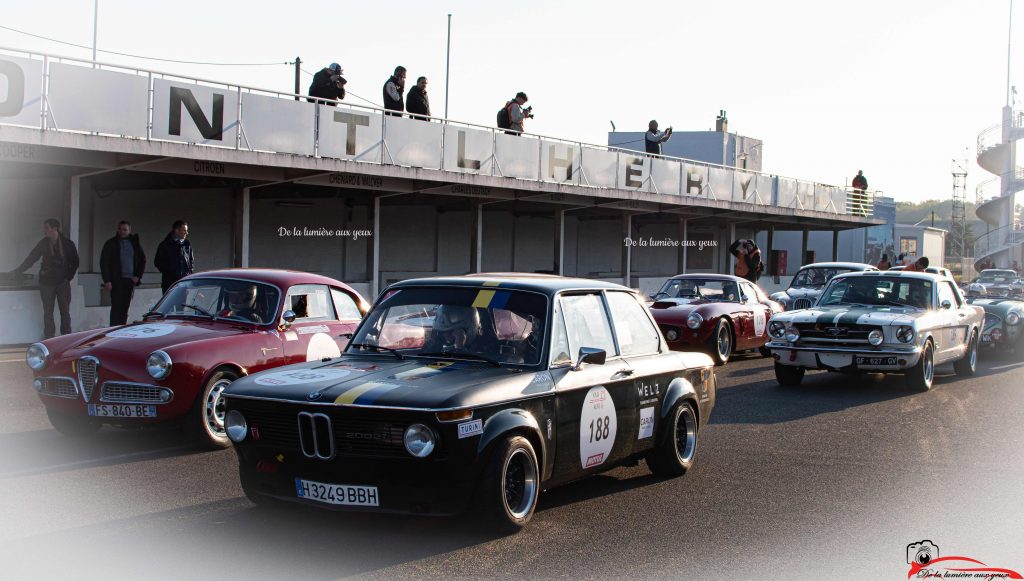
1004,323
473,392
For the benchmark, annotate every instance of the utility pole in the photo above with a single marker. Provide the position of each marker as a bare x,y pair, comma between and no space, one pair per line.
447,65
298,70
95,28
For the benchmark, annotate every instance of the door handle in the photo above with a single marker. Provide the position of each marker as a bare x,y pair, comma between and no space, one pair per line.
622,373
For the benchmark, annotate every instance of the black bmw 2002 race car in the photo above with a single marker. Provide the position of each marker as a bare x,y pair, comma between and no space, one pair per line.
473,392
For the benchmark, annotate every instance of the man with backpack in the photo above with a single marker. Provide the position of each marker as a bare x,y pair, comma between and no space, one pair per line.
512,115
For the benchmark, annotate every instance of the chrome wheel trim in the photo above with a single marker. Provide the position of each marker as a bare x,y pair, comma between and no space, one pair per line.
213,409
519,483
929,367
974,351
724,342
685,434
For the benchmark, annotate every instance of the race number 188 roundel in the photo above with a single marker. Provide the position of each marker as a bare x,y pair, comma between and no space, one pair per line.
597,427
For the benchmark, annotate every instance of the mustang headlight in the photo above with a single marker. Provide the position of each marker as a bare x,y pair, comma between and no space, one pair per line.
694,321
419,440
37,356
672,334
235,426
876,337
158,365
1013,319
905,334
792,334
777,329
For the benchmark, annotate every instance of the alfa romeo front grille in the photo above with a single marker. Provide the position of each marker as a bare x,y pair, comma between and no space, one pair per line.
316,435
60,387
87,368
118,392
801,304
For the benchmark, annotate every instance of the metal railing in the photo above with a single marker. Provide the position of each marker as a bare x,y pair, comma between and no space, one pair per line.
995,240
992,188
993,136
785,192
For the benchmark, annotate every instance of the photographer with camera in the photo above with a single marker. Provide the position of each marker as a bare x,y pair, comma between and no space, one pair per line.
654,138
328,84
512,115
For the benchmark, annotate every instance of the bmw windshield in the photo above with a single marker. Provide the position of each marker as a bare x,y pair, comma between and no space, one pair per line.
815,277
493,325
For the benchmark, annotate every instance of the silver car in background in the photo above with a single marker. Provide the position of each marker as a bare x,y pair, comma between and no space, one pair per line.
809,281
879,322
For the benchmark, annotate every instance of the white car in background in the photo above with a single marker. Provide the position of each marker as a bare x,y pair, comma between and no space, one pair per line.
879,322
809,281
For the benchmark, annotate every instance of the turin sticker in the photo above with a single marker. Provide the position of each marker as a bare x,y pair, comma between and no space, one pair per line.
473,428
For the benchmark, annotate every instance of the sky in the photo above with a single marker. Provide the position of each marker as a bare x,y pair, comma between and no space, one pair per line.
897,88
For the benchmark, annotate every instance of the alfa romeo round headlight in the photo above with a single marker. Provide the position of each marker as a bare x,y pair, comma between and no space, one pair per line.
905,334
1012,319
672,334
234,424
876,337
158,365
37,356
694,321
419,440
776,329
792,334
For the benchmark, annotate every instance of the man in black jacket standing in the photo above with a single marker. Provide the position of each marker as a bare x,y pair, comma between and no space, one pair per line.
174,258
59,265
122,263
393,89
328,84
416,101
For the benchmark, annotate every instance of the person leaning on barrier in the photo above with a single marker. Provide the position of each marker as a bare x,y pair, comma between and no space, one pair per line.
654,138
122,263
174,258
416,100
59,263
884,263
748,260
860,186
328,84
918,266
393,89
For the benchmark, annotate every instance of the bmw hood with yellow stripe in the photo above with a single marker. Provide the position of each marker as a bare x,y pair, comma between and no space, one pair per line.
387,382
834,315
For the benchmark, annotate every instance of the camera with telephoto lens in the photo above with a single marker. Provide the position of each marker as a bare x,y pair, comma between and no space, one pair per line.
922,553
528,112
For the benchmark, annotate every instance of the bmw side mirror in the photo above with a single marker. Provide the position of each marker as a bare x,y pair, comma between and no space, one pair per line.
589,355
947,305
289,318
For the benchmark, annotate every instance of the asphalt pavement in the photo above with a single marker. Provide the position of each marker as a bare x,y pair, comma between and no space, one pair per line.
830,480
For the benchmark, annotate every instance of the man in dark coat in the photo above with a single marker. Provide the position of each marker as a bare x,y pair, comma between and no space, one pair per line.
59,265
174,258
748,260
416,101
122,263
328,84
393,89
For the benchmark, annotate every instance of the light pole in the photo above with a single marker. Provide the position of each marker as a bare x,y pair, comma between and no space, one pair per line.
95,27
447,64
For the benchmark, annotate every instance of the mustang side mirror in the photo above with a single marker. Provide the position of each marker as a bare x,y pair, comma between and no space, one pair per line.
289,318
589,355
947,305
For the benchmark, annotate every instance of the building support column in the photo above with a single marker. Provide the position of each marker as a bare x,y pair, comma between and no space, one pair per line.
769,247
75,217
246,212
803,248
627,250
835,245
683,250
476,237
559,232
730,259
374,250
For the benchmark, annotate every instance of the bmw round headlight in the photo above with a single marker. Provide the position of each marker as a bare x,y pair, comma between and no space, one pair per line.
777,329
694,321
875,337
792,334
158,365
234,424
672,334
37,356
1013,319
419,440
905,334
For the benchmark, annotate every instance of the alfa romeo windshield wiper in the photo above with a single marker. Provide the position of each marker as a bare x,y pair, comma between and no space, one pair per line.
154,314
378,348
199,310
462,354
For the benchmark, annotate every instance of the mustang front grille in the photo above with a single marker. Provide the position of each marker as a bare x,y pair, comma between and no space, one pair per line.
834,334
60,387
87,375
117,392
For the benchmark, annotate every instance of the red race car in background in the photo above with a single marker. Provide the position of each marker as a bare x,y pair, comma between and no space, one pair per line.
207,331
715,313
